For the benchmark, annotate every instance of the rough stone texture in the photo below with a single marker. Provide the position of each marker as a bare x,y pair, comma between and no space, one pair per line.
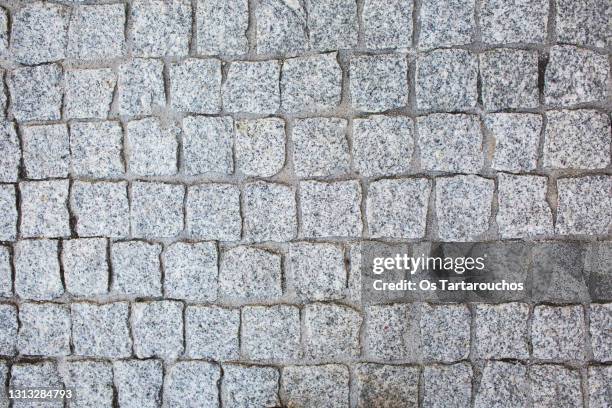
463,207
597,270
386,385
212,332
9,160
392,332
601,336
317,270
36,375
36,92
387,24
136,268
152,148
574,75
599,386
37,270
44,329
448,386
46,151
192,383
195,85
101,330
558,332
500,331
245,386
6,278
190,271
140,86
156,209
519,21
96,149
269,212
584,22
157,329
446,22
85,264
281,27
320,147
555,386
92,379
445,332
270,332
517,137
503,385
97,32
89,93
332,24
222,28
101,209
252,87
577,139
584,205
8,207
207,145
331,331
8,332
138,383
213,212
324,386
260,146
378,82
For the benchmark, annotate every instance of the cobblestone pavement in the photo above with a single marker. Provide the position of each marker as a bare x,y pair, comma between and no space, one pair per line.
185,186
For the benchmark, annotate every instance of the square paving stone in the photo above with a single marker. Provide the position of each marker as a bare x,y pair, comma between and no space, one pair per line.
509,79
331,331
191,271
192,383
517,137
584,22
317,270
519,21
397,208
600,378
392,333
208,145
157,329
37,270
11,153
97,32
195,85
601,335
8,330
503,385
392,386
157,209
260,146
138,383
446,22
247,386
160,28
332,24
281,27
382,145
92,379
584,205
269,211
43,375
43,208
558,333
250,274
448,386
101,209
450,143
311,83
500,331
378,82
577,139
39,33
44,329
6,272
85,266
213,212
8,208
331,209
97,149
463,207
212,333
270,332
101,330
598,270
152,148
36,92
141,86
387,24
555,386
320,147
574,75
446,80
324,386
136,268
89,93
445,332
523,209
222,27
46,151
252,87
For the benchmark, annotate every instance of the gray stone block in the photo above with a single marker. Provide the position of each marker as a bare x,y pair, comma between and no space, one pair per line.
152,148
387,24
378,83
101,209
503,385
324,386
97,32
598,270
558,333
446,23
247,386
85,266
140,87
252,87
195,85
101,330
281,27
317,271
392,333
36,92
448,386
8,207
445,332
270,332
156,209
157,329
584,205
501,331
89,93
37,270
212,333
331,331
97,149
517,137
192,383
519,21
46,151
388,385
43,375
213,212
260,146
4,31
191,271
44,330
8,330
138,383
555,386
91,381
136,268
599,380
332,24
269,211
222,28
6,272
601,335
584,22
208,145
11,156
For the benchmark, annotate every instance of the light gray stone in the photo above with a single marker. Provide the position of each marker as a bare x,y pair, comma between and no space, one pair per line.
4,375
37,270
317,271
447,386
500,331
378,83
152,147
463,207
36,92
598,270
212,332
386,385
4,33
8,207
519,21
269,211
260,146
584,205
509,79
517,137
11,153
446,23
600,390
213,212
332,24
523,209
555,386
100,209
331,331
311,83
331,209
97,149
208,145
92,382
503,385
8,330
140,87
157,329
89,93
323,386
281,27
558,333
445,332
320,147
450,143
160,28
270,332
192,383
252,87
574,75
601,335
392,332
85,266
248,386
43,375
191,271
387,24
446,80
195,85
577,139
250,274
46,151
138,383
101,330
222,27
584,22
6,272
97,32
136,268
391,214
156,209
44,329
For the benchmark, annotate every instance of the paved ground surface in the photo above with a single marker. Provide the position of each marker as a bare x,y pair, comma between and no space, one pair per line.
185,187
